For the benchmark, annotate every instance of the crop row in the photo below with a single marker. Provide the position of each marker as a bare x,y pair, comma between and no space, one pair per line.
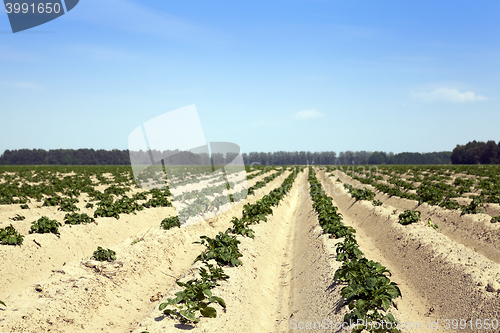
222,250
369,291
437,193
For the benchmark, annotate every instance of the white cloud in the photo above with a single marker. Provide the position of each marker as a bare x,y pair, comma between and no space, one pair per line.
447,95
308,114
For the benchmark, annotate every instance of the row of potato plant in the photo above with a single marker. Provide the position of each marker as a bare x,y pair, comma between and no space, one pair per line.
369,291
197,295
433,190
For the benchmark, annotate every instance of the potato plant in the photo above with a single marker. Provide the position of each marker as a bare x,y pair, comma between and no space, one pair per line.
170,222
223,249
104,254
75,218
369,291
475,206
9,236
45,225
196,296
18,218
409,216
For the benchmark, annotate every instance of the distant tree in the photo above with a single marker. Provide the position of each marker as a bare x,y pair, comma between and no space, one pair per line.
475,152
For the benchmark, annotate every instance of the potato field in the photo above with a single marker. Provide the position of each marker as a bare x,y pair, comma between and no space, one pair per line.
299,248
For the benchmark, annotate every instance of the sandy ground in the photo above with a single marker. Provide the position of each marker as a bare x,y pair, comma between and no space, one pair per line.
439,277
286,276
54,287
286,279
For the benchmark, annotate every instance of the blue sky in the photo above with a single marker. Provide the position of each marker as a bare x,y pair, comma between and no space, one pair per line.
272,75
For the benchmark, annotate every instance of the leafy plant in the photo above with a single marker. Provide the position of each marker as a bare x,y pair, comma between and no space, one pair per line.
45,225
495,219
369,291
10,236
240,227
18,218
377,203
409,216
474,206
432,225
24,206
104,254
195,297
75,218
68,205
348,249
170,222
223,249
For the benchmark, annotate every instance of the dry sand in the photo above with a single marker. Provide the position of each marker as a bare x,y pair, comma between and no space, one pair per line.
286,277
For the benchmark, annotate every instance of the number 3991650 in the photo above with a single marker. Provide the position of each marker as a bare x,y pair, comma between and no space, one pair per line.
40,8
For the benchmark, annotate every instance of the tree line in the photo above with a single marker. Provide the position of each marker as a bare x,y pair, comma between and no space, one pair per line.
344,158
123,157
476,152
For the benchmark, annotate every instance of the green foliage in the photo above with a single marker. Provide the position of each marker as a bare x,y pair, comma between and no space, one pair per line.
348,249
18,218
24,206
124,205
10,236
223,249
104,254
1,302
45,225
430,194
475,205
241,227
68,205
432,225
362,194
159,199
409,216
495,219
377,203
369,292
170,222
195,297
52,201
449,204
75,218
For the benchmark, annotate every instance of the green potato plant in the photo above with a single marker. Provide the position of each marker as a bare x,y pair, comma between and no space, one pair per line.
45,225
75,218
9,236
18,218
170,222
409,216
104,254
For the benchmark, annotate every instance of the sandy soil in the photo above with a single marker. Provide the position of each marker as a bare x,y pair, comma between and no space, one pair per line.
286,279
441,278
44,285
